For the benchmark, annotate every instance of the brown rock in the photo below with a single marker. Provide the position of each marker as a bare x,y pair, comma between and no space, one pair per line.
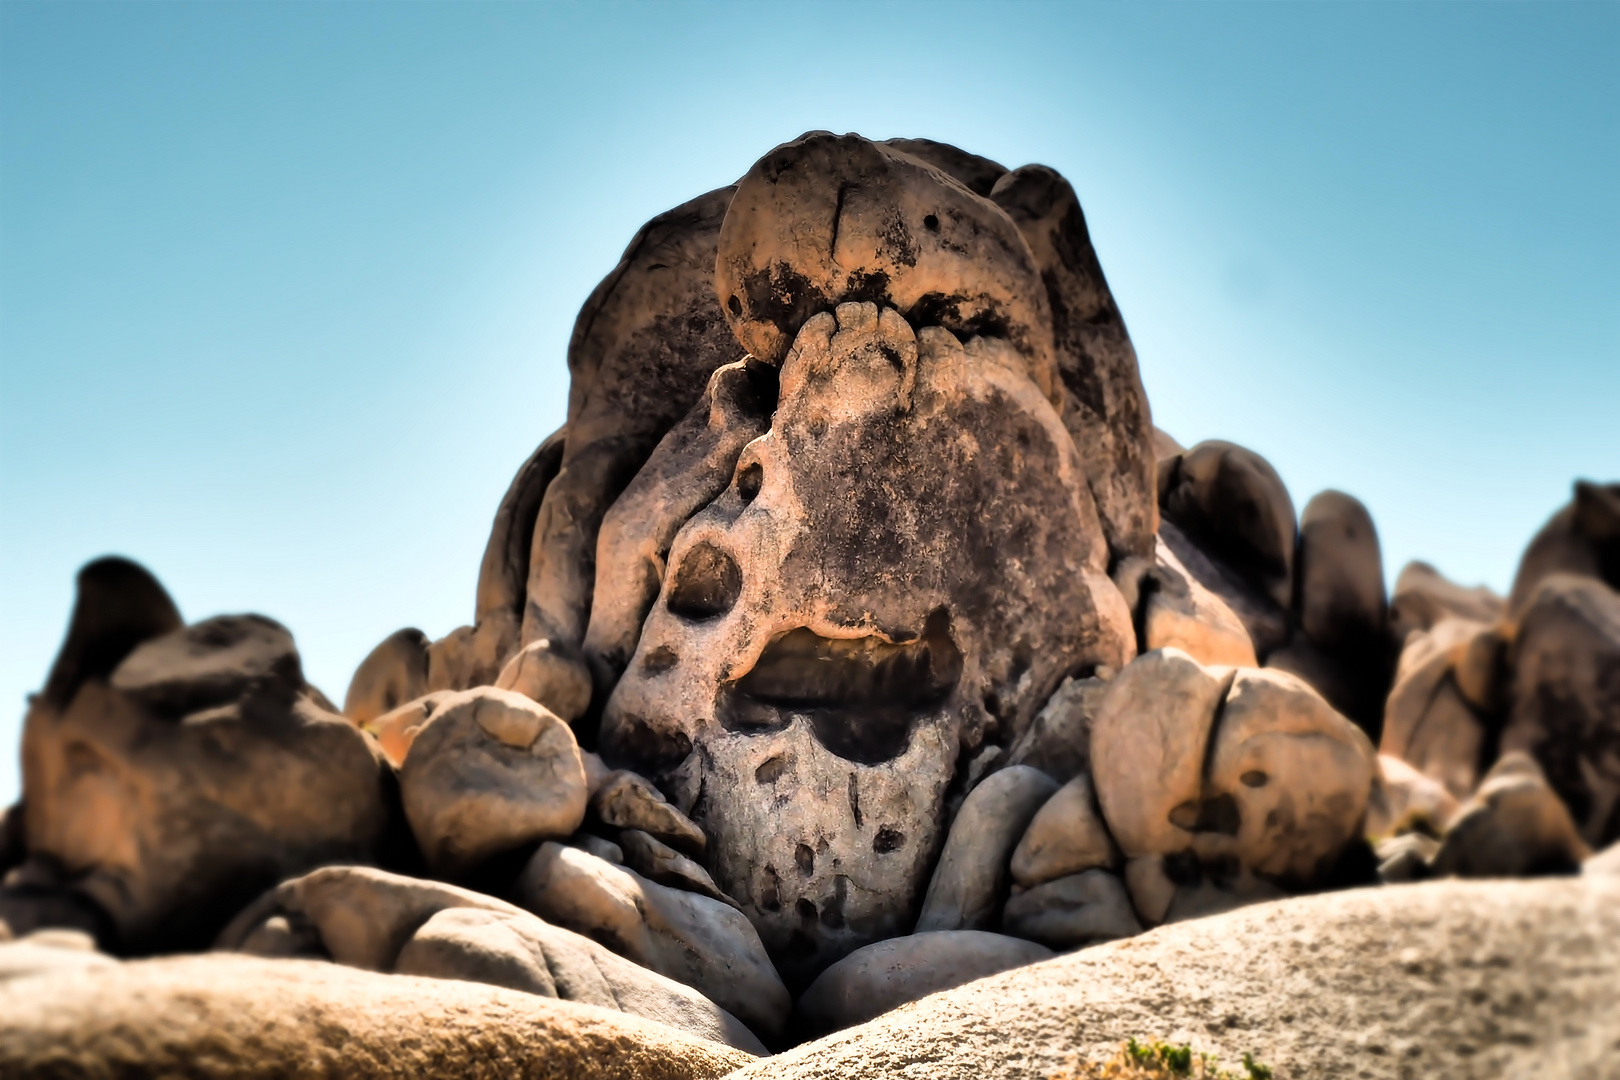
1058,740
1366,981
550,674
642,351
827,642
1404,800
1175,611
1066,836
1582,538
829,219
1068,912
1105,407
1427,723
1423,596
1514,826
392,675
503,575
692,465
491,772
245,1018
1565,697
1231,500
658,862
977,174
883,976
1262,617
172,785
692,939
627,801
1341,572
396,730
970,880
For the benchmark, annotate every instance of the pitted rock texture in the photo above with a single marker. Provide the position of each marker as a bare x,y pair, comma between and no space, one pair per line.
171,777
829,219
243,1018
830,636
1445,980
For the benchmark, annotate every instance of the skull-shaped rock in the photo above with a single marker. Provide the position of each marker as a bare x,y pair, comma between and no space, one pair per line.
907,561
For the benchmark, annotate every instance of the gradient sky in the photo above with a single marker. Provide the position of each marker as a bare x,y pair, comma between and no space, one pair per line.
285,289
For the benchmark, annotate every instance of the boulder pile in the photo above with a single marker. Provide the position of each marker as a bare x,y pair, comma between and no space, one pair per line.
858,636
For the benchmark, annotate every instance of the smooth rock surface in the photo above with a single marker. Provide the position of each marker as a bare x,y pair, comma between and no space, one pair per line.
970,880
1427,722
397,729
46,952
873,980
1513,826
392,674
243,1018
1068,912
544,672
1230,499
692,939
1445,980
1423,596
490,772
1066,835
1266,621
1582,538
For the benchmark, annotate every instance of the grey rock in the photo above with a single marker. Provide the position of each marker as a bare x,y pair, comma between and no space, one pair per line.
970,881
1068,912
627,801
1066,836
1058,740
658,862
1514,826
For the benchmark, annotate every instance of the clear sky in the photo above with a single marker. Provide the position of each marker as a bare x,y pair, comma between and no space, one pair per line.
285,288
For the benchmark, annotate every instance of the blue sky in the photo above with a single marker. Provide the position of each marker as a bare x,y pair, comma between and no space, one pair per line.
285,289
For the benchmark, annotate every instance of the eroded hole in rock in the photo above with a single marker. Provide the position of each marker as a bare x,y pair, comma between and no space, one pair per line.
888,840
705,585
659,660
860,695
749,481
771,770
1254,778
805,859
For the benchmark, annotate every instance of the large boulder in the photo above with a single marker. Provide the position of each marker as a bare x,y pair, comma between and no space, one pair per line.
1265,620
1448,980
885,975
1565,697
1174,610
1104,404
693,939
378,921
1514,826
225,1017
490,772
1232,501
1428,723
172,773
1582,538
1066,836
1071,911
1423,596
831,636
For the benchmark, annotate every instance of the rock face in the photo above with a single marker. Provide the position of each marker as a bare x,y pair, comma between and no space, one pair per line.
873,980
970,881
1427,721
1565,709
1240,780
1231,500
1068,912
378,921
829,636
643,348
170,773
1104,404
490,772
1066,835
693,939
243,1018
1448,980
1582,539
1423,596
1514,826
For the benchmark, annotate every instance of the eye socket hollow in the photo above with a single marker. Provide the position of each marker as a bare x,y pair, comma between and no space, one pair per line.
749,481
705,585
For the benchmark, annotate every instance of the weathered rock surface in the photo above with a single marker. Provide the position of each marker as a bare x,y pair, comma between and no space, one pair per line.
1104,404
1175,611
1404,798
217,1017
656,861
692,939
970,879
1066,835
830,635
490,772
1565,696
397,730
1264,619
371,919
1582,538
46,952
977,174
624,800
829,219
1447,980
692,465
170,778
1231,500
1068,912
1427,722
643,348
545,672
877,978
1514,826
1423,596
1058,740
391,675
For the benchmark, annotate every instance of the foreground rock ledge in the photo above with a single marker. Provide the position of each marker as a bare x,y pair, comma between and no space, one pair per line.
1446,979
232,1016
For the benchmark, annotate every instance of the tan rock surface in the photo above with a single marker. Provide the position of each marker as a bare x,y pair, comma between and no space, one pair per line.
1068,912
237,1017
1067,835
392,674
1230,500
1423,596
546,672
1445,980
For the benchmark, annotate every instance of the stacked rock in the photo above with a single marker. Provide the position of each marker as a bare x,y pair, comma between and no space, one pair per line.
857,636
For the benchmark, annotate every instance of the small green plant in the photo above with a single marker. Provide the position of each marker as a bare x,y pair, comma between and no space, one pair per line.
1255,1070
1156,1060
